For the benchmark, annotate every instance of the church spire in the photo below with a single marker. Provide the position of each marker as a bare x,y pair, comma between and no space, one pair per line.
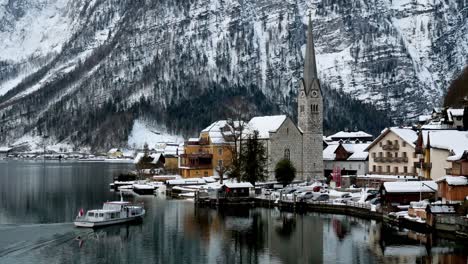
310,67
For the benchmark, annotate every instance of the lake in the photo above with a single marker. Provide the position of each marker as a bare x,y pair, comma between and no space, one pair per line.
39,200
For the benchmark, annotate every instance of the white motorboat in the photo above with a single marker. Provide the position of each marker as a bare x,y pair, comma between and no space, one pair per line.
115,212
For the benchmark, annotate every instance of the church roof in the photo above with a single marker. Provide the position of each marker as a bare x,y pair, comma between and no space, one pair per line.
265,124
310,65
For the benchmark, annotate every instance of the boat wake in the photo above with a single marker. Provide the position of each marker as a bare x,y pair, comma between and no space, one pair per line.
17,240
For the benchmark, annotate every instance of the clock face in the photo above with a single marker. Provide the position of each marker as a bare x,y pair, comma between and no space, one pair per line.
314,93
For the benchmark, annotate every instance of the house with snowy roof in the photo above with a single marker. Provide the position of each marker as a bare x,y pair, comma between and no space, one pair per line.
393,152
211,151
454,185
442,119
281,138
349,158
434,149
355,136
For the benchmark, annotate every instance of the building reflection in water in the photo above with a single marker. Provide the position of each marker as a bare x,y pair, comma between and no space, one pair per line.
37,204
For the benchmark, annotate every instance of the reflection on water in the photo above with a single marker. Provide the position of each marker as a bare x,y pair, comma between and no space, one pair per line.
39,202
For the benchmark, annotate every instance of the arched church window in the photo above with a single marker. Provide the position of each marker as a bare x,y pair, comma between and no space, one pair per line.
287,154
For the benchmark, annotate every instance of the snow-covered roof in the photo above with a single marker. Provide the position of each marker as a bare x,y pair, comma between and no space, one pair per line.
218,131
265,124
452,140
407,134
155,156
389,177
186,181
410,186
193,139
238,185
357,151
455,111
5,149
350,135
454,180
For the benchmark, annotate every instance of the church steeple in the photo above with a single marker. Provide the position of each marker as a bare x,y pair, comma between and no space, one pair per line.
310,67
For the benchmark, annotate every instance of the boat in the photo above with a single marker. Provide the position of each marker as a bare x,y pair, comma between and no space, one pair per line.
143,188
115,212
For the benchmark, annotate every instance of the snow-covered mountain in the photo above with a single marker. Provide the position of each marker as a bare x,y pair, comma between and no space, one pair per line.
82,71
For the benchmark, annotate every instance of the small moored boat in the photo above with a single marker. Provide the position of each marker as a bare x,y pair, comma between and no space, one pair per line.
115,212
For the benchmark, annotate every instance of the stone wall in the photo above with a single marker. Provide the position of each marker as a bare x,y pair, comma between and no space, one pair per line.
286,137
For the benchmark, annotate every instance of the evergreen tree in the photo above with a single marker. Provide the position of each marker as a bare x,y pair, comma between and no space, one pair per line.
254,160
285,172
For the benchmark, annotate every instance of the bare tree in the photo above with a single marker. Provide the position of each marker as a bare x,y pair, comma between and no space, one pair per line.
237,123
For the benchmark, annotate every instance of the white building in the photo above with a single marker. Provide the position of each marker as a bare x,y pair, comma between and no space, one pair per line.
393,152
351,159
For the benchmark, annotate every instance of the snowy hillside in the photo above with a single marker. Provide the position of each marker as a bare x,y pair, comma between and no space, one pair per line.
83,71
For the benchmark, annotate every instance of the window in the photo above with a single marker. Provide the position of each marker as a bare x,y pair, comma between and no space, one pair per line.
374,154
396,154
380,154
404,143
314,164
287,154
287,131
220,151
405,169
302,108
396,142
389,155
206,174
91,214
404,154
414,155
380,143
359,166
388,169
395,170
373,168
380,168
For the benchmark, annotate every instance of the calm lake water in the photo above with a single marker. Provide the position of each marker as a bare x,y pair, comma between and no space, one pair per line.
38,202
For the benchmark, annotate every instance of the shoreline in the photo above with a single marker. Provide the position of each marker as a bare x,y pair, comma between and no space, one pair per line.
355,211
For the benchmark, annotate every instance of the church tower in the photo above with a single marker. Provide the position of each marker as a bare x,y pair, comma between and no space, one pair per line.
310,113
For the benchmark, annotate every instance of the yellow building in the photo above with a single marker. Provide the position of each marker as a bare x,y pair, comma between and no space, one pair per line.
205,154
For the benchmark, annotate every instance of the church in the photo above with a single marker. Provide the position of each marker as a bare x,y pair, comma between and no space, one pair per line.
302,144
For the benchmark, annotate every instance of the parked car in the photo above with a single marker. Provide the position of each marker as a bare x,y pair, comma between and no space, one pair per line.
321,198
305,196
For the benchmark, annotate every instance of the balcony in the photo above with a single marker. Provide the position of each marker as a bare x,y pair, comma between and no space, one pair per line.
391,147
423,165
196,161
391,159
379,159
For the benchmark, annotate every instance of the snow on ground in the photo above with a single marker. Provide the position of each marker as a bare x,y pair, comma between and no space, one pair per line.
36,144
143,133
